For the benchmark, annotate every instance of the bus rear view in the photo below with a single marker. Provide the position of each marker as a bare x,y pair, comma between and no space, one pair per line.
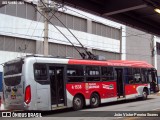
13,85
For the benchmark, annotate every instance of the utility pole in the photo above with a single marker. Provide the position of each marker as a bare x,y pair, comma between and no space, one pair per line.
45,44
153,51
46,6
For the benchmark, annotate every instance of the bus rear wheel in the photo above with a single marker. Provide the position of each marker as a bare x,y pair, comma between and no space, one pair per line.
144,94
94,100
78,102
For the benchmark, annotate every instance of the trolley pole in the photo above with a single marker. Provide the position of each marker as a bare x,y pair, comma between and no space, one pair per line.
46,12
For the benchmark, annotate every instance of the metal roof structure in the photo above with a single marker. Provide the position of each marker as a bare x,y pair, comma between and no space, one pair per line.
139,14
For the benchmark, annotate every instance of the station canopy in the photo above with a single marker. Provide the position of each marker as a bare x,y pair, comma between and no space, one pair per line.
140,14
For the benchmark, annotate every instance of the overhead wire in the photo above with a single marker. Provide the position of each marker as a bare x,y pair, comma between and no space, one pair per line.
19,34
16,28
42,33
33,32
76,43
90,55
56,28
63,40
123,36
34,17
137,34
92,46
36,36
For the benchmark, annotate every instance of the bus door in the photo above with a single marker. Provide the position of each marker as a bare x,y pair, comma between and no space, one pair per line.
56,75
42,86
153,80
120,83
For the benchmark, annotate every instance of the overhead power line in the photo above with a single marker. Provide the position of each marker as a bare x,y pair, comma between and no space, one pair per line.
56,28
90,55
33,32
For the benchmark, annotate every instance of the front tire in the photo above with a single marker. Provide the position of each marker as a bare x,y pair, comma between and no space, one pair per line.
78,102
94,100
144,95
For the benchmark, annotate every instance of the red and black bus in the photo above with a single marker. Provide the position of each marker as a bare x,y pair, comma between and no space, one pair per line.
44,83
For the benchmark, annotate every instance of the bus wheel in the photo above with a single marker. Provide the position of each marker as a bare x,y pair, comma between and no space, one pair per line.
78,102
144,95
94,100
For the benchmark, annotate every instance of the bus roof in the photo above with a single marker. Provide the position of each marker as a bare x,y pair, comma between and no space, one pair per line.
126,63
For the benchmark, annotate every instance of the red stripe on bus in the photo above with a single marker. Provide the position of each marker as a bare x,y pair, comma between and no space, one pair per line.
111,63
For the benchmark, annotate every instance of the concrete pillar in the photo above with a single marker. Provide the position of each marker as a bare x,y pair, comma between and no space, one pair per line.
89,26
123,43
46,30
155,52
39,47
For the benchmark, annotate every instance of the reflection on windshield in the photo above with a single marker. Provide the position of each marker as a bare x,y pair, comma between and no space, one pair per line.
12,81
13,68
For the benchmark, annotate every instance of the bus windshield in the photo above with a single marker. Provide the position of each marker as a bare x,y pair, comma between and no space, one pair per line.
13,68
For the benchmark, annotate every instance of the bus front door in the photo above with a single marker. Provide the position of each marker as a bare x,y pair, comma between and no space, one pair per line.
153,79
56,75
120,83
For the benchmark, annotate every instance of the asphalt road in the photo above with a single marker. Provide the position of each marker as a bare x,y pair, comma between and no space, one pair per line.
150,106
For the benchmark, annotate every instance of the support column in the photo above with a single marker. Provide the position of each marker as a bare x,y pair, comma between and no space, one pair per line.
154,55
89,26
39,47
123,43
46,29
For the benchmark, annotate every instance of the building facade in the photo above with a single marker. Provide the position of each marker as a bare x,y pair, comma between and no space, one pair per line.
142,46
22,31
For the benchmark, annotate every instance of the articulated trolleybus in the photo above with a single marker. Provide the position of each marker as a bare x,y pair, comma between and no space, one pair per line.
47,83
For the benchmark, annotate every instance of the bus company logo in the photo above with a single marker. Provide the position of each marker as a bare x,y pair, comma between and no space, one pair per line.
108,86
93,85
111,86
105,86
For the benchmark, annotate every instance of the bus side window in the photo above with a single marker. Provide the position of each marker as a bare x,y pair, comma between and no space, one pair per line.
153,80
92,73
107,73
40,71
152,76
137,75
75,73
128,76
144,73
149,77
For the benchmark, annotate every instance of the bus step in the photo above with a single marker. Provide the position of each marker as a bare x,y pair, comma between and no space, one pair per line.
57,108
121,97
